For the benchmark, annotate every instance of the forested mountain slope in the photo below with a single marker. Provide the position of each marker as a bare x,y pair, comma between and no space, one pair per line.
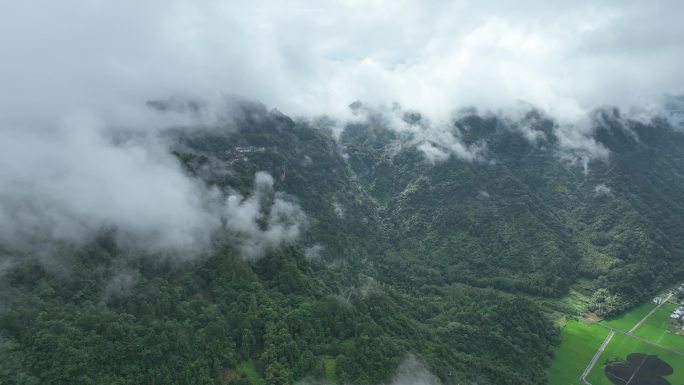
399,255
526,219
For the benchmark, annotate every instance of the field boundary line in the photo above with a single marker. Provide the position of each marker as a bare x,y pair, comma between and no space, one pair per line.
587,370
589,367
637,370
650,313
646,341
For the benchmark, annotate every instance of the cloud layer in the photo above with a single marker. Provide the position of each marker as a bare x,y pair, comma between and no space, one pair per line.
70,183
311,57
74,71
412,372
263,220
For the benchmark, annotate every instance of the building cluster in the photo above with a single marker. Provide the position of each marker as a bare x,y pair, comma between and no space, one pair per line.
241,152
678,313
248,149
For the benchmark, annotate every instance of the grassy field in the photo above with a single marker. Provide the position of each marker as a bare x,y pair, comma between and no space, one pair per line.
659,328
249,370
330,370
627,320
579,343
621,346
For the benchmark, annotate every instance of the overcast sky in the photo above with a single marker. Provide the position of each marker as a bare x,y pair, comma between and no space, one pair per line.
72,70
313,57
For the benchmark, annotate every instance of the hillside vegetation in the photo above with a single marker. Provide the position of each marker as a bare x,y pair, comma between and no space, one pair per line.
400,257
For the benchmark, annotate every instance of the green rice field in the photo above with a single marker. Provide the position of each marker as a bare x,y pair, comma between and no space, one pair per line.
661,329
627,320
579,343
622,345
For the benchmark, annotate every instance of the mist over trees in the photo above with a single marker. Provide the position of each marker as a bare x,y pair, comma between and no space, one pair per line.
358,253
426,187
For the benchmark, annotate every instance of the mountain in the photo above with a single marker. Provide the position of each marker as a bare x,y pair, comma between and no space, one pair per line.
434,245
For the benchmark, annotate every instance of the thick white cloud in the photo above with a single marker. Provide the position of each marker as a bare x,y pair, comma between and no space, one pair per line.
437,140
311,57
61,176
264,219
70,183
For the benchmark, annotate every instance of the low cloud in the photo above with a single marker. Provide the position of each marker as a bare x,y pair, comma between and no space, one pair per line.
437,141
338,209
314,252
602,190
674,111
412,372
525,119
68,184
436,151
5,264
308,57
530,133
121,283
65,179
577,144
264,219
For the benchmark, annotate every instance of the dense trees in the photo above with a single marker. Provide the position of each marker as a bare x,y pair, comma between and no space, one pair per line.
605,303
526,220
183,324
401,257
